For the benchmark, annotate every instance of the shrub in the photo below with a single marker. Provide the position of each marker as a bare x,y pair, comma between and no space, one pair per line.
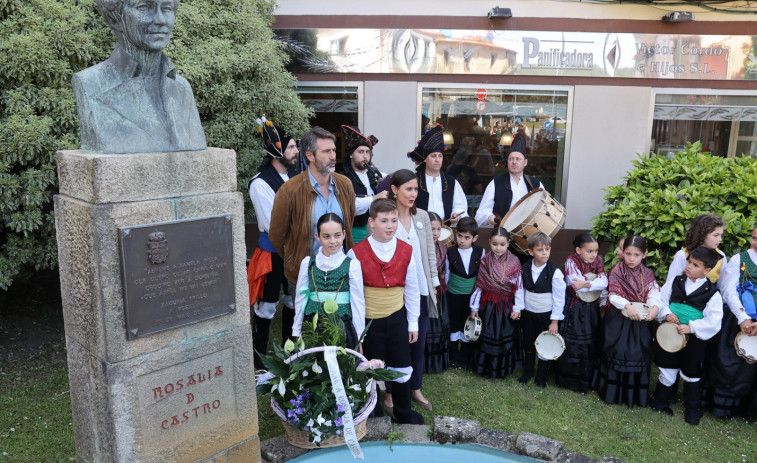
225,48
660,197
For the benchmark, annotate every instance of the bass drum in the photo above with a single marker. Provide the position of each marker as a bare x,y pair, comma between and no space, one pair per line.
538,211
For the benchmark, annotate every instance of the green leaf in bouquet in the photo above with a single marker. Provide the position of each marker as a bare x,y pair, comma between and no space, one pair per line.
289,346
275,365
330,306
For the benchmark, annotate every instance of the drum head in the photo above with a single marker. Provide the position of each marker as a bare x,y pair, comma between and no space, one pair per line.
549,346
746,347
472,329
522,211
446,234
641,308
669,339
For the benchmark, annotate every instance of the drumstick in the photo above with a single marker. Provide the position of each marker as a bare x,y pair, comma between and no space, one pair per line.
454,213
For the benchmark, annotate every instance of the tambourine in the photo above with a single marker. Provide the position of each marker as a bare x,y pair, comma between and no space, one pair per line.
669,339
746,347
640,307
472,329
447,236
589,296
549,346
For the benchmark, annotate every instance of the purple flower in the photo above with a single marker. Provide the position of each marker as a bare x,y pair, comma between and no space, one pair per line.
340,408
299,411
291,414
338,432
338,422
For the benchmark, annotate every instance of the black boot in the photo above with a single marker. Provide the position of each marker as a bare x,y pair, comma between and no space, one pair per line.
692,402
663,396
260,327
541,373
403,412
528,371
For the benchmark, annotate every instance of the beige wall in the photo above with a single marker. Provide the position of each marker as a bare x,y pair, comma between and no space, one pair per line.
520,8
390,114
609,126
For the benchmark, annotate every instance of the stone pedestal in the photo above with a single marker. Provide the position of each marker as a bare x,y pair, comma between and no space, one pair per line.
183,394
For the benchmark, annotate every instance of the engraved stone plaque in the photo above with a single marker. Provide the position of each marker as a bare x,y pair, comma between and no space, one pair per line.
176,273
184,400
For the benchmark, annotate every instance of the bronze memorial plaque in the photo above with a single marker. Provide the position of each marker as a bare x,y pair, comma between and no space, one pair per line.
176,273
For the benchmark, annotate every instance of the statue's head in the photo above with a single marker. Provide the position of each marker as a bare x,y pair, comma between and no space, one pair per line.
143,24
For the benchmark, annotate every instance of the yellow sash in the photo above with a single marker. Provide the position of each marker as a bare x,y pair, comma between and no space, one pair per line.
382,302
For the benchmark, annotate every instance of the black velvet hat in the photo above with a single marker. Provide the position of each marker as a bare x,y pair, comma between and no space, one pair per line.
519,144
432,142
275,138
354,138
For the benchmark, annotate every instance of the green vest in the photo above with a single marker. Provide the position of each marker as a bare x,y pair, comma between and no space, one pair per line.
334,284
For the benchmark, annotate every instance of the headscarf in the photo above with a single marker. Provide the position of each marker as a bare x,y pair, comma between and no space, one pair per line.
498,277
633,284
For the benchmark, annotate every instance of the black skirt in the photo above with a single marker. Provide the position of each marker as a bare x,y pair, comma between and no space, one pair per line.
626,360
497,352
729,381
576,366
437,339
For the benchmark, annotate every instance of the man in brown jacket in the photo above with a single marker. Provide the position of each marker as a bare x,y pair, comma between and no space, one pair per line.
302,200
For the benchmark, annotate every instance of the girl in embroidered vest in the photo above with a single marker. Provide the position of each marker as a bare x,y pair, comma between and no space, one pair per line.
331,274
498,301
437,337
729,380
576,366
627,349
705,230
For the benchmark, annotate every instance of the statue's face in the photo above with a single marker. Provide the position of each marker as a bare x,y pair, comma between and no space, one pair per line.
147,24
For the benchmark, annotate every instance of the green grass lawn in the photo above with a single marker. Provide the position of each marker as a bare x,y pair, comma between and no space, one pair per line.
35,422
35,408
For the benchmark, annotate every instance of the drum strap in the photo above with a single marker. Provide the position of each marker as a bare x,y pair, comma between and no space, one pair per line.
460,285
685,313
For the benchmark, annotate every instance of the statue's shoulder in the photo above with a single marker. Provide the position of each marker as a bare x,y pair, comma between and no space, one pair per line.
96,79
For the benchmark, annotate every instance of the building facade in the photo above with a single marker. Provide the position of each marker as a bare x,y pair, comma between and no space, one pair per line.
591,84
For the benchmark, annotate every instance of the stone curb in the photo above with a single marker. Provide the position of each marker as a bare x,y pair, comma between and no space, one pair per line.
449,430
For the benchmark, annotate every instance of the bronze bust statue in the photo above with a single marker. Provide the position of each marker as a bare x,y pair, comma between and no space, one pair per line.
135,102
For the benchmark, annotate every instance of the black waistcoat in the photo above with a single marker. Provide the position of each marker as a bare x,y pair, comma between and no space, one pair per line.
698,299
360,190
543,284
503,195
270,175
448,193
456,262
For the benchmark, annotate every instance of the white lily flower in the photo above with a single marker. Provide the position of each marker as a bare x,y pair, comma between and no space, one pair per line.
305,372
310,423
317,368
282,388
316,439
354,387
320,419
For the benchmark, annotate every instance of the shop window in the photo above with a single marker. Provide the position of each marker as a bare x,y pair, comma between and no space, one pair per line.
479,126
725,124
333,106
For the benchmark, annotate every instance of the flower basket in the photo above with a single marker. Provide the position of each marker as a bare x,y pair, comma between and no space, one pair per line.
300,438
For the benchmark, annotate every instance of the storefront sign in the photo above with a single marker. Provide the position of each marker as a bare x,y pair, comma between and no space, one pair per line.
538,53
